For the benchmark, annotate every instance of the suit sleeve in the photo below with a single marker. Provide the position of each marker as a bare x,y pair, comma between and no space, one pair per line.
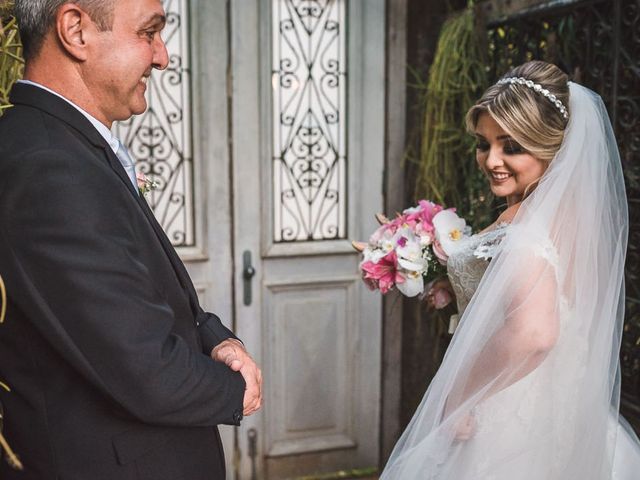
212,331
69,252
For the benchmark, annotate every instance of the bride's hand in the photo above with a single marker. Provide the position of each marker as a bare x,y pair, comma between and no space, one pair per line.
438,294
465,428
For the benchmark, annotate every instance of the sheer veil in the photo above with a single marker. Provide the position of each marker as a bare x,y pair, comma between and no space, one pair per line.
534,362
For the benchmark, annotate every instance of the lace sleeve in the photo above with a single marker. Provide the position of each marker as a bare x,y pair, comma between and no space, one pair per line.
490,246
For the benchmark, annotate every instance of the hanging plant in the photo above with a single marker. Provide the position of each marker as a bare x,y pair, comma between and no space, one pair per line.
447,171
11,62
10,456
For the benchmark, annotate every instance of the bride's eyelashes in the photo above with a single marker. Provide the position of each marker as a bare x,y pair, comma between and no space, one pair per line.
482,145
508,149
513,148
510,146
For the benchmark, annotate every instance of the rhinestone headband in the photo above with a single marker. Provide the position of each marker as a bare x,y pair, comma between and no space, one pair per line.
539,89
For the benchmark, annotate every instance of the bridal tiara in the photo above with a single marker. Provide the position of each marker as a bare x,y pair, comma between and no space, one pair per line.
539,89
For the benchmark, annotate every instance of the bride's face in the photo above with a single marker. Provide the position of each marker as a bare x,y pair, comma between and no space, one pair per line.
509,167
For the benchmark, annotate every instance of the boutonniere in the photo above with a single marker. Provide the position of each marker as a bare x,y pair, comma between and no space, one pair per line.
145,184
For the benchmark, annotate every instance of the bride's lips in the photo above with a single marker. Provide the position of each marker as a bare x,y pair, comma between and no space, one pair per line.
499,177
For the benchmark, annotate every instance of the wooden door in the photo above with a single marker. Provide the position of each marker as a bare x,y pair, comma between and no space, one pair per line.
307,135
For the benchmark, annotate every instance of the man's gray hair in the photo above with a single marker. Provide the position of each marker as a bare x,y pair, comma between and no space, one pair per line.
36,17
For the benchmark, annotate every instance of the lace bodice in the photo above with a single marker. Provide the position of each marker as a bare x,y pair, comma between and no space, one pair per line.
467,264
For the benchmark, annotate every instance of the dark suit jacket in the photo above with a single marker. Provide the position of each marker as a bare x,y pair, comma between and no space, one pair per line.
105,346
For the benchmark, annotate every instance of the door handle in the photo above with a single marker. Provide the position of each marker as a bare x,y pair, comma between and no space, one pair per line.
248,272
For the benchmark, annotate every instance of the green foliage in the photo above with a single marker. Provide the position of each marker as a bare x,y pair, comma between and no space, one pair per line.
447,171
11,62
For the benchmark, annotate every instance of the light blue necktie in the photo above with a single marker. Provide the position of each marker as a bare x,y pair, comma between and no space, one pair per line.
127,163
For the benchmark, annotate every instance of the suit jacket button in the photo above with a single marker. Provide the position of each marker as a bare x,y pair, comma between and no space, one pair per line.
237,416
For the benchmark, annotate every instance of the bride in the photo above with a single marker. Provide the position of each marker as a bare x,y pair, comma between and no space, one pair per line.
529,388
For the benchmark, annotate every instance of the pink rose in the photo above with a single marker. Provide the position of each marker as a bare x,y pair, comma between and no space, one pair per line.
441,298
142,180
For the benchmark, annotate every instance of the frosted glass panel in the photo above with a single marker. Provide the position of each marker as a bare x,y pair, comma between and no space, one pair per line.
309,120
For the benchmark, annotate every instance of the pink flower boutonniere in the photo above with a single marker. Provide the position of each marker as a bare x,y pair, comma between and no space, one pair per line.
145,184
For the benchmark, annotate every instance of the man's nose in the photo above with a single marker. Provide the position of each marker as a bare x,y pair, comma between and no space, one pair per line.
160,54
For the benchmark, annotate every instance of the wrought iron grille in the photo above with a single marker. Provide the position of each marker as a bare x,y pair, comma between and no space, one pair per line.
160,140
309,120
598,44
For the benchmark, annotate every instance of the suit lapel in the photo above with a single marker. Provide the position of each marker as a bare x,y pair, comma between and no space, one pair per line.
117,167
178,266
176,263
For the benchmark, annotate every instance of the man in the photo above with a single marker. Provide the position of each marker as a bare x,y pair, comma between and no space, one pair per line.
115,370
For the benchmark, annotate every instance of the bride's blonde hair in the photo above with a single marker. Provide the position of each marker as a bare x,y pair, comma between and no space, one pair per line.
527,115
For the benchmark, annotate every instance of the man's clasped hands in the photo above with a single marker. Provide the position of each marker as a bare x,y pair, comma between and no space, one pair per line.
232,353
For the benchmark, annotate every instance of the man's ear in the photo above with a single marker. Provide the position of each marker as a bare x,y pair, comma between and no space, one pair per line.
74,28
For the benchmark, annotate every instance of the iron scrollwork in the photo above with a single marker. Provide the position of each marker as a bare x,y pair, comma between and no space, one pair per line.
309,112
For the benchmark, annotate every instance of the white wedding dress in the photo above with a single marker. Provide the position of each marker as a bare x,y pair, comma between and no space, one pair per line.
507,420
534,360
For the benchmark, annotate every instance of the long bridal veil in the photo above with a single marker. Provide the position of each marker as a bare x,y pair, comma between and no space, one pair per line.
533,366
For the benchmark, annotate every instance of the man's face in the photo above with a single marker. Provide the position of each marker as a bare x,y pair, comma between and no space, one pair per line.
121,60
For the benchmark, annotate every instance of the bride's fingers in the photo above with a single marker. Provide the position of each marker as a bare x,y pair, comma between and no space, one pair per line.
466,427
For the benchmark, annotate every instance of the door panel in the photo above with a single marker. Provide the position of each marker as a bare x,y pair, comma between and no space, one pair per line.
308,325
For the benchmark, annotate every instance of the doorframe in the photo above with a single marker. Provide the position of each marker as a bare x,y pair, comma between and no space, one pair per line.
394,201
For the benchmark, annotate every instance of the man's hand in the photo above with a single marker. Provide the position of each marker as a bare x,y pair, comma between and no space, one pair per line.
235,356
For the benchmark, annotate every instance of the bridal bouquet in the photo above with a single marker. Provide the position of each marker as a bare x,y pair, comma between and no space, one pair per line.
410,252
